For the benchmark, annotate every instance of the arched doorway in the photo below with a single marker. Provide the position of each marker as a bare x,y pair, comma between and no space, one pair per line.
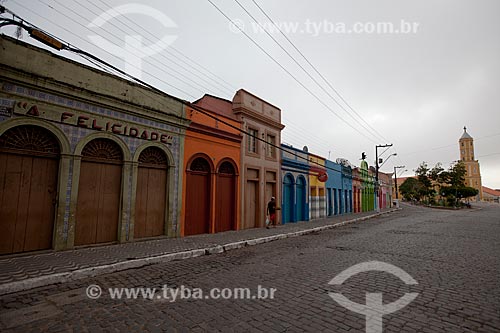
151,193
29,162
225,211
301,198
98,204
197,214
288,202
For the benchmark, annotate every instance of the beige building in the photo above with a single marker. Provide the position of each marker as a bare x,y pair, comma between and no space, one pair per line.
260,162
473,176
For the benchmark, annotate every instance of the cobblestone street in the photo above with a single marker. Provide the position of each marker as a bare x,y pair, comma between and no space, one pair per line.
453,255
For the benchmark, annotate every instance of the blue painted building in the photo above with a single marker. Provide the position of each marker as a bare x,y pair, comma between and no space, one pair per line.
347,187
295,171
338,189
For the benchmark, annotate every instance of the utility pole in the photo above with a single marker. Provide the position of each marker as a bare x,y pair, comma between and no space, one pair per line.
396,182
376,173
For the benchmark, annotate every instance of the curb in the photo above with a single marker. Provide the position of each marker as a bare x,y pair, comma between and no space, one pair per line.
78,274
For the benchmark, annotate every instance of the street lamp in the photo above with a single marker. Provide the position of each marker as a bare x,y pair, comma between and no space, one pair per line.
396,182
388,157
376,172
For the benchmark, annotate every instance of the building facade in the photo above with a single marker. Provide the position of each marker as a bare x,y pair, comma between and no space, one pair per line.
85,157
356,190
385,192
473,176
260,159
339,190
211,186
347,186
295,178
317,192
333,189
367,188
491,195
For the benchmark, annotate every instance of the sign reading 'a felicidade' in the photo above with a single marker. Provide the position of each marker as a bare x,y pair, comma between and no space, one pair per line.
94,122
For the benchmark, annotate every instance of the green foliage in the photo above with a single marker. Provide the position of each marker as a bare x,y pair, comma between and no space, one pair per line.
453,188
435,174
426,189
410,189
451,184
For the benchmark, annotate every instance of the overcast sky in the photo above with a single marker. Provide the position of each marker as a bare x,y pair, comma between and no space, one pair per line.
417,89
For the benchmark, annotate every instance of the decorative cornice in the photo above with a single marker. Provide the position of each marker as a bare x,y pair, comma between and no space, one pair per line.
258,116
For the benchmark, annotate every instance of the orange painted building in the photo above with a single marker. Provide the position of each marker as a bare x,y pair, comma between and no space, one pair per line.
210,182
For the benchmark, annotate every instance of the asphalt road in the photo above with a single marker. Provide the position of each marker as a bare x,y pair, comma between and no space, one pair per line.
453,256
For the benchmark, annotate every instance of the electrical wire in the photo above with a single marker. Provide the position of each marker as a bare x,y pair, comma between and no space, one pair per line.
317,71
161,54
219,81
290,74
301,67
200,89
189,104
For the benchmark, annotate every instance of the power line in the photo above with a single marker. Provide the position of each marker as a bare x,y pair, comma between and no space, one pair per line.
220,81
370,128
324,78
154,89
222,87
70,32
310,137
300,66
290,74
172,69
87,58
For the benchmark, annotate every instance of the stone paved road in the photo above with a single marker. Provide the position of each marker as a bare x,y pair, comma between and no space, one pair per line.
453,255
18,268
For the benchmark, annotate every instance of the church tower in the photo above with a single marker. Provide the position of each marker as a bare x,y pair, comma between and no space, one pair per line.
473,175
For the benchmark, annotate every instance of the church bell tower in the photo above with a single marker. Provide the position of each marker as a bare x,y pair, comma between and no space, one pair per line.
473,175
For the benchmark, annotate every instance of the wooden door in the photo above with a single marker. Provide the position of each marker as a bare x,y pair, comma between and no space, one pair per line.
99,189
29,162
301,199
225,211
251,204
329,201
151,193
288,204
197,215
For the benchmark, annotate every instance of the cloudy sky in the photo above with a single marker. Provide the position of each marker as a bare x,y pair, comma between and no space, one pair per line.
416,88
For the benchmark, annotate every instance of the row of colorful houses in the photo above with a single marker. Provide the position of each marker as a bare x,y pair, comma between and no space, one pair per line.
90,158
315,187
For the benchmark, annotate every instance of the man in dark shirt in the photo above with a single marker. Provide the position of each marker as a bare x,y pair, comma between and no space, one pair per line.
271,212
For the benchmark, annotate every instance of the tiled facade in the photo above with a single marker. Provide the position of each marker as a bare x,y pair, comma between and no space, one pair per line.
81,107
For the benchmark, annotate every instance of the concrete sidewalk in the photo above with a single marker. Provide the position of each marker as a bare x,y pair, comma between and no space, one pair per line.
30,271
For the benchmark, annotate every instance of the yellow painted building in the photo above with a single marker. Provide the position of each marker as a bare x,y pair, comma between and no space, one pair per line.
317,199
473,176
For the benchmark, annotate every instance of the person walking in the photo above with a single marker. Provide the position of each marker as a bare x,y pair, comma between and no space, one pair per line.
271,213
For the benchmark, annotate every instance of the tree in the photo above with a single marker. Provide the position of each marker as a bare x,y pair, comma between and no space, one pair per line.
454,180
435,173
410,189
426,189
467,192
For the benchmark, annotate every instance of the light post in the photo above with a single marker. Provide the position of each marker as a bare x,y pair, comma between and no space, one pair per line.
376,173
388,157
396,182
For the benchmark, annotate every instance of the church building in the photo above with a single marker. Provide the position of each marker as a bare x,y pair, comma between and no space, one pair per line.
473,175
